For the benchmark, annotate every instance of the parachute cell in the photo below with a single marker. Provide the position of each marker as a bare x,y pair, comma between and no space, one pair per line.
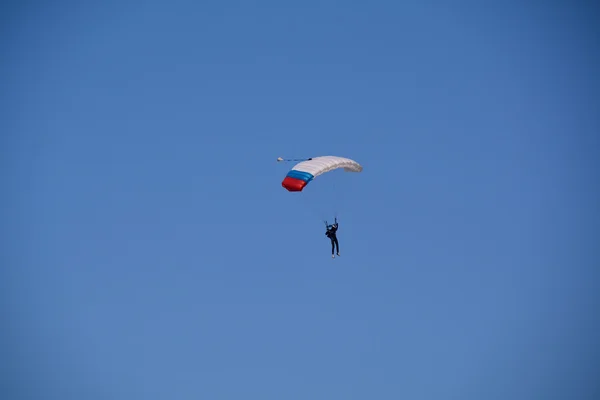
304,172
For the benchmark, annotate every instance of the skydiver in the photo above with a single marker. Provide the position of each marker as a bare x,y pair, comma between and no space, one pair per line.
331,234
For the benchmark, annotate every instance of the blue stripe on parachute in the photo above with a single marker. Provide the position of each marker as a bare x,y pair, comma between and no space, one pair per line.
305,176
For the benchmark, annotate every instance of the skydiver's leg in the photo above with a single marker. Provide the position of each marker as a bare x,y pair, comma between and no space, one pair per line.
332,245
337,245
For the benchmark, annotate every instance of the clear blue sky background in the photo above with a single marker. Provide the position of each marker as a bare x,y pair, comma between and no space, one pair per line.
150,252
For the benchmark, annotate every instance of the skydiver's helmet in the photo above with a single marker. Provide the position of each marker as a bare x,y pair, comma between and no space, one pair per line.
329,227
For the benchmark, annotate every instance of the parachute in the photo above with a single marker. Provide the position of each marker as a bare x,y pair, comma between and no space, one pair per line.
304,172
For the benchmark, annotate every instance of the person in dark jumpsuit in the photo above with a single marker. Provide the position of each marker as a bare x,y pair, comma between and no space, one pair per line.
331,234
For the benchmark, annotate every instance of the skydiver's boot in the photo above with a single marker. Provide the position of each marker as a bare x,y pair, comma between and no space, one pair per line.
332,256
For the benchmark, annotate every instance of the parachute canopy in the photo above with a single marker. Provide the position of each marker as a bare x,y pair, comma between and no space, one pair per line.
304,172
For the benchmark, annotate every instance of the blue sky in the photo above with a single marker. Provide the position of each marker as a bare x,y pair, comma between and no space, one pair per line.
150,251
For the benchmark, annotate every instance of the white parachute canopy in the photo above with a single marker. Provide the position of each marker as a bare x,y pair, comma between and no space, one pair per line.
320,165
304,172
